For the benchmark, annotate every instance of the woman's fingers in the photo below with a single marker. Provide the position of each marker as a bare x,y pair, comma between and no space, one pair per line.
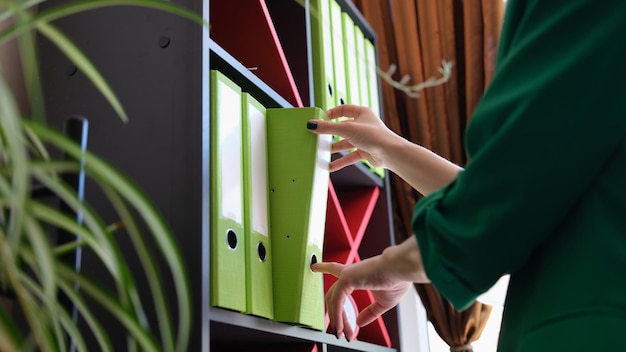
370,313
347,327
349,110
344,127
335,298
341,146
346,160
328,268
341,128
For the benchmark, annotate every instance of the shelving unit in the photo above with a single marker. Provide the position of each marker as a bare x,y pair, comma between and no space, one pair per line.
165,146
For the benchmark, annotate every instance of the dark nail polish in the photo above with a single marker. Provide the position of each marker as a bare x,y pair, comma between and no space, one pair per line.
311,125
337,335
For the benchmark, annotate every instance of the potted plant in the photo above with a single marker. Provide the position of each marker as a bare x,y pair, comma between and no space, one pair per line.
36,280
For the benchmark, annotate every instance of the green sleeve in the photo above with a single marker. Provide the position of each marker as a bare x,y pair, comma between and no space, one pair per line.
549,121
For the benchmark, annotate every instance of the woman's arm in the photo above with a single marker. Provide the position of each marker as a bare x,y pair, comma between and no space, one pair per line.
419,167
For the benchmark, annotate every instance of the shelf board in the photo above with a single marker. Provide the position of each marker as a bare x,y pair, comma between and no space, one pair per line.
222,61
227,328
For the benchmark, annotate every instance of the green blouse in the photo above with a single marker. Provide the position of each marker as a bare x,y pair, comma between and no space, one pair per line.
544,194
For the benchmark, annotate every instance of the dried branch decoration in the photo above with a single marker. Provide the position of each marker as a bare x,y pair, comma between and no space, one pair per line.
414,90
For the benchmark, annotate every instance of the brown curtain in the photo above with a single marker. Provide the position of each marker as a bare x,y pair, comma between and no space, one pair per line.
415,36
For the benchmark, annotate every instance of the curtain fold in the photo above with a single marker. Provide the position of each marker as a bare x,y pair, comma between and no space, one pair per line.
415,36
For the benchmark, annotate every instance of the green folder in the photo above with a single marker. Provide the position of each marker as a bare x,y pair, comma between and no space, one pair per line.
299,177
341,93
322,54
350,60
371,65
372,76
361,64
228,261
256,210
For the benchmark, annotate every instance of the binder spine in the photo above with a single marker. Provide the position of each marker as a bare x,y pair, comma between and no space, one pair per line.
298,175
228,282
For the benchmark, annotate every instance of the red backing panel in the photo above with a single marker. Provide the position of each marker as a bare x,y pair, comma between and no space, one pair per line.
358,206
245,29
337,257
337,233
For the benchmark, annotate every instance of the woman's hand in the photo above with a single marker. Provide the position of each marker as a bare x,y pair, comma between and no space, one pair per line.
363,131
388,276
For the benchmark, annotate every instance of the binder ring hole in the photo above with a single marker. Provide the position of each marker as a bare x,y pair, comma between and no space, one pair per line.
261,251
293,180
341,101
330,90
313,259
231,239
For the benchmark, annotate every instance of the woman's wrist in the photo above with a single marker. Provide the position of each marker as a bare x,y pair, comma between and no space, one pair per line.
404,262
424,170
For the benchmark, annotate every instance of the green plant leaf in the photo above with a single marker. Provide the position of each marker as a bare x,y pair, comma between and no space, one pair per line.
74,7
30,68
36,147
96,328
25,237
59,220
42,23
57,312
7,13
83,63
97,238
149,267
12,143
10,338
28,305
102,243
116,264
103,173
107,300
45,265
